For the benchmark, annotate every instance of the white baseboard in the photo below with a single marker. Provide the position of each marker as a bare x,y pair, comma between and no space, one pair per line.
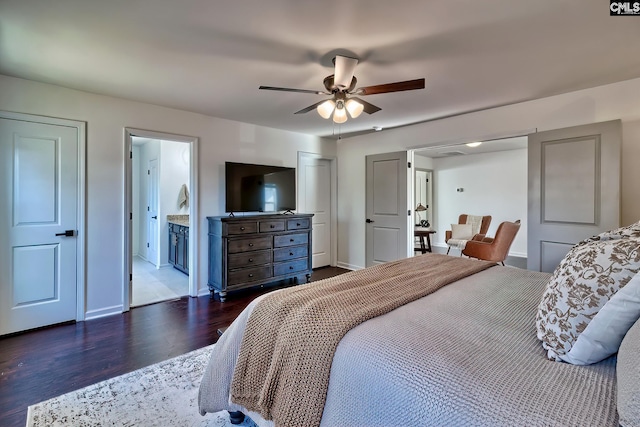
349,266
518,254
102,312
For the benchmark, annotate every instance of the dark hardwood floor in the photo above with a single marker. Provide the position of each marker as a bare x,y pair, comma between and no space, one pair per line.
45,363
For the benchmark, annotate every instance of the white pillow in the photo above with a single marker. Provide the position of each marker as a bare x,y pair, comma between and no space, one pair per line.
605,332
461,231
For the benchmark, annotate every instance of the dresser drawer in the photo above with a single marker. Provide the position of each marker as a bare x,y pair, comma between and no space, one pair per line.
269,226
290,240
240,260
283,268
298,224
285,254
245,275
252,244
242,228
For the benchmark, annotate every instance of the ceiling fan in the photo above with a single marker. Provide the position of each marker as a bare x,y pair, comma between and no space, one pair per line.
341,86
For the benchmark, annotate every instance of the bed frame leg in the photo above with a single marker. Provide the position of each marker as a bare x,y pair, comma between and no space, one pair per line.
236,417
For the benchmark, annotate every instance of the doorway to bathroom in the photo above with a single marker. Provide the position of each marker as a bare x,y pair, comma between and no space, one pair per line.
161,200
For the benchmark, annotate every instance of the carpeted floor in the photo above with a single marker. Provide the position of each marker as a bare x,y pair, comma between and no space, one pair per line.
164,394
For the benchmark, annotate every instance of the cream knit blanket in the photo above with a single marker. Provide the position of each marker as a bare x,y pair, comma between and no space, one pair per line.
476,223
285,358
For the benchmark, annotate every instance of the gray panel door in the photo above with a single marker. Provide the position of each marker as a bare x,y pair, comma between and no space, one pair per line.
574,189
386,200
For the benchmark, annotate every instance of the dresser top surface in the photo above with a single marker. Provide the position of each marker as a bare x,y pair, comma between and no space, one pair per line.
225,218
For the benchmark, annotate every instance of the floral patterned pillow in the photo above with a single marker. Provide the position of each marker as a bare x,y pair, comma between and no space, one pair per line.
589,275
632,230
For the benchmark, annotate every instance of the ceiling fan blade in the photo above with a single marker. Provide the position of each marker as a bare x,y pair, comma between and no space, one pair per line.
391,87
287,89
368,108
309,108
345,68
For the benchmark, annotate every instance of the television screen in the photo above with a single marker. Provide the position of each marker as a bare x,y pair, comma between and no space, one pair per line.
259,188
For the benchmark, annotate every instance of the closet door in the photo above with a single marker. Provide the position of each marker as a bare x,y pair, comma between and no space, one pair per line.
574,189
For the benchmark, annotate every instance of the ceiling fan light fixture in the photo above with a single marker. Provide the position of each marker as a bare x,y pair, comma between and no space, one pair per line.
354,108
340,113
326,108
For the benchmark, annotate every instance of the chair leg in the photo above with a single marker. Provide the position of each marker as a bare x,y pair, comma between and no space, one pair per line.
448,249
502,262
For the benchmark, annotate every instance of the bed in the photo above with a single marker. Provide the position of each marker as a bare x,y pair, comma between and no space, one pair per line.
465,354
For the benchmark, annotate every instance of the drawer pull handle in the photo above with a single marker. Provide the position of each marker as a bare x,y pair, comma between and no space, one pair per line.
297,224
250,274
291,267
250,244
250,259
272,226
241,228
291,240
290,253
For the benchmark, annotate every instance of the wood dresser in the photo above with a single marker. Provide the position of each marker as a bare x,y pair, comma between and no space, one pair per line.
255,250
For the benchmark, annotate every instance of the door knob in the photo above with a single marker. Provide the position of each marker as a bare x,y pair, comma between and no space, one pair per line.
154,217
67,233
369,221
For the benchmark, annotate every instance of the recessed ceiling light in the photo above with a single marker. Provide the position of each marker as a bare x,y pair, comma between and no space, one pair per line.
377,128
473,144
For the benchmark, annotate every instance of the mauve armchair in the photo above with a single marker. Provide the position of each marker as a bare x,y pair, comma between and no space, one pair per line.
496,248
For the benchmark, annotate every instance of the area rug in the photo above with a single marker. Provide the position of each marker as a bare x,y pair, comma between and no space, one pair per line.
164,394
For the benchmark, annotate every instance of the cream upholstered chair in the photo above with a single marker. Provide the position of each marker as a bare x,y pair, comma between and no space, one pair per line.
496,248
479,226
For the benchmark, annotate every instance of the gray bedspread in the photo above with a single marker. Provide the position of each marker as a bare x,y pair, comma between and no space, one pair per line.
466,355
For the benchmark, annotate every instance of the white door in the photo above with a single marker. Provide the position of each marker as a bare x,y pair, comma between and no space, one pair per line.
423,197
314,179
387,214
38,224
152,212
574,189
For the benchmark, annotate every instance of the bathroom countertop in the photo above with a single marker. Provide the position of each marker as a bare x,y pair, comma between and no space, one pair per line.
179,219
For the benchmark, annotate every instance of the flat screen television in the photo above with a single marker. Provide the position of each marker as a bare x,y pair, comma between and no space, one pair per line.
259,188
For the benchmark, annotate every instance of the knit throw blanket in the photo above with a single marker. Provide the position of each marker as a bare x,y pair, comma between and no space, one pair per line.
476,223
285,357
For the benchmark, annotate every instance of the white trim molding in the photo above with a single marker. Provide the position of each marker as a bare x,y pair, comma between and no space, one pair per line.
104,312
349,266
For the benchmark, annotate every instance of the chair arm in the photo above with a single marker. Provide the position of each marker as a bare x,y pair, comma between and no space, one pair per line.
480,250
447,235
479,237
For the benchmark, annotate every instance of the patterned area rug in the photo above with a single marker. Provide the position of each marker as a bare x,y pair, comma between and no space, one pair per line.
164,394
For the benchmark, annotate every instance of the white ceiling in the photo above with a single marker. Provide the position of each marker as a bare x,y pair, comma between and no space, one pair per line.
503,144
210,56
